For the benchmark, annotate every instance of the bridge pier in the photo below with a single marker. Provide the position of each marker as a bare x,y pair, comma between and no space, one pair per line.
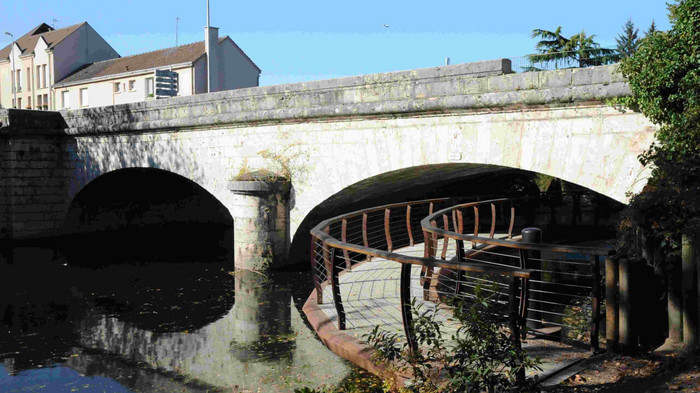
260,222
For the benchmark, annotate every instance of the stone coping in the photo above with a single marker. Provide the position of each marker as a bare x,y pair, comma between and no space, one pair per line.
258,187
441,89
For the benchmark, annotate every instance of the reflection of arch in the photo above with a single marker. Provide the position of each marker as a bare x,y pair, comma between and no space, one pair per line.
414,183
149,209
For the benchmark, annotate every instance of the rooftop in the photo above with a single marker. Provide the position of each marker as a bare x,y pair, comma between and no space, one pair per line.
143,61
27,43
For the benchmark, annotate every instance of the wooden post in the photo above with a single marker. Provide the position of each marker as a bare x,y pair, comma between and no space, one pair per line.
625,338
675,301
611,329
690,294
595,303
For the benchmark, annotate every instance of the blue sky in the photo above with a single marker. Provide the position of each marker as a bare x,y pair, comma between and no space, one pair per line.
310,40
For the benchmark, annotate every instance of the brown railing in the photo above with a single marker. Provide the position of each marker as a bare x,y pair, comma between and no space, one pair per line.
556,288
352,242
565,282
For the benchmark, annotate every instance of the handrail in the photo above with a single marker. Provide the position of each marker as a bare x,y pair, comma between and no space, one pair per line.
319,232
426,223
330,246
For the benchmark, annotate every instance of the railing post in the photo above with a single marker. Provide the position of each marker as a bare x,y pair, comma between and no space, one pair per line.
387,232
314,271
445,239
365,240
335,286
595,303
344,239
406,316
530,260
408,225
611,279
513,320
426,272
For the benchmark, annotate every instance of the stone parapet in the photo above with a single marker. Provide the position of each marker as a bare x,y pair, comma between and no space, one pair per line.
487,84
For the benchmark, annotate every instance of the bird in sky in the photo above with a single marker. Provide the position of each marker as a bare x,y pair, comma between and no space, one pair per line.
385,25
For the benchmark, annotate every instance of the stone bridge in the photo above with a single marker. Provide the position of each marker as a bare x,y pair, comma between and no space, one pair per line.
339,140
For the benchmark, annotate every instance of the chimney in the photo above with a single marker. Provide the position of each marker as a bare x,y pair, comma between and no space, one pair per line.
211,46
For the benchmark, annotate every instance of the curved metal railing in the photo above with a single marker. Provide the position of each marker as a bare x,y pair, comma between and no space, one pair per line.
393,233
565,281
551,286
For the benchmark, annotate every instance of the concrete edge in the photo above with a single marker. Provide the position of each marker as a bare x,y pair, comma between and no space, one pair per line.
257,186
341,343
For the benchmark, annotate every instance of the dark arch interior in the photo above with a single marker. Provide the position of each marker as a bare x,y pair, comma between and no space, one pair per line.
145,214
464,181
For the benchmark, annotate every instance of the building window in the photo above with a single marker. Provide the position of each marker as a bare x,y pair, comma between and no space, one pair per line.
29,102
84,96
132,85
38,102
43,75
65,99
149,87
46,102
116,87
19,103
19,80
37,77
29,81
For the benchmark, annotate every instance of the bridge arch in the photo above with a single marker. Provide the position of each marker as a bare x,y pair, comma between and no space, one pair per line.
142,208
459,180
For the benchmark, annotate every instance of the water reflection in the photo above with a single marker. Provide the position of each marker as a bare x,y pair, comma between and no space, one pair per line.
159,326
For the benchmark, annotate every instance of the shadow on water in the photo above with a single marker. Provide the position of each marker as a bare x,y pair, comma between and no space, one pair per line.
177,323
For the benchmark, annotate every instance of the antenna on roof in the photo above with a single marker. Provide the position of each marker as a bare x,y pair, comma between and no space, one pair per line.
207,13
53,24
177,19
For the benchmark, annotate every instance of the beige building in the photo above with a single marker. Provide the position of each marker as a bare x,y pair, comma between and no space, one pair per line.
133,78
31,65
74,68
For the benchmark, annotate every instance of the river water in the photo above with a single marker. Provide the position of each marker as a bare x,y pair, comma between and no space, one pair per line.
154,326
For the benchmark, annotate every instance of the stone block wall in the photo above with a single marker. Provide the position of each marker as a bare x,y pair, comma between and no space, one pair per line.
336,133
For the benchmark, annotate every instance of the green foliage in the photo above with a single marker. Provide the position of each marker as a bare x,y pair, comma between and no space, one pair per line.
664,76
358,381
480,355
579,50
288,161
652,29
628,41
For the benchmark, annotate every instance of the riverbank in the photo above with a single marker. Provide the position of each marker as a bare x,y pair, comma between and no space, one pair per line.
654,372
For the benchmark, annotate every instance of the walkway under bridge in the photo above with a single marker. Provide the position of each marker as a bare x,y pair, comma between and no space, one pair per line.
369,266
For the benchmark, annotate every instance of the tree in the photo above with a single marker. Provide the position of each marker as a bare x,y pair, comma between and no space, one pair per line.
628,42
652,29
664,77
579,50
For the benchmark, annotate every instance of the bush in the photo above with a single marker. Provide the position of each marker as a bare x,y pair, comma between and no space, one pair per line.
481,355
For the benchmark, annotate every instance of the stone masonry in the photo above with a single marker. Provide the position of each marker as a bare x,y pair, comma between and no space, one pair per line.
330,135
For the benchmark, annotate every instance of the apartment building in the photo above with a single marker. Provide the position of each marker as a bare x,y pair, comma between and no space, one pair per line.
34,62
136,78
73,68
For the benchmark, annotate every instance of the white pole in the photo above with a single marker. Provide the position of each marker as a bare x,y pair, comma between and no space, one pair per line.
176,20
207,13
